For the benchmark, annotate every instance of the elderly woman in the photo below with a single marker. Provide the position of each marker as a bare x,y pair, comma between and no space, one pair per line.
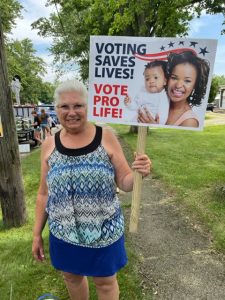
77,194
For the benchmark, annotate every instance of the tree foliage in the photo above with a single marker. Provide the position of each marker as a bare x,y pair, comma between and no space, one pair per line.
9,11
214,89
76,20
221,80
217,81
21,60
46,92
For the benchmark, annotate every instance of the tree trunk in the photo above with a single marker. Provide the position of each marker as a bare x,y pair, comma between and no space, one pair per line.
11,185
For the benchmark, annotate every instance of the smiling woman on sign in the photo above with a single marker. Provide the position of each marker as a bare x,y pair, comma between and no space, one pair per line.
77,194
186,87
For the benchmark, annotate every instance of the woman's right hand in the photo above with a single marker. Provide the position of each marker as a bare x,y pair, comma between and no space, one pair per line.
146,117
38,248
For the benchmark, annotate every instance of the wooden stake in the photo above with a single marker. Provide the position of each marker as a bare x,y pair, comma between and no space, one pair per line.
136,195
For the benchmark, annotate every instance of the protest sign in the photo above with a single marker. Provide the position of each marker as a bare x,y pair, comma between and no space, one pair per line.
135,80
162,82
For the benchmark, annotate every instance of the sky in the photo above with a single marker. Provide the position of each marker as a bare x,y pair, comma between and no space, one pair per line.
208,27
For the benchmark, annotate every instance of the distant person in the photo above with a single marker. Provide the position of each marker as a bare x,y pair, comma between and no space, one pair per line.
15,87
153,96
51,123
44,123
37,128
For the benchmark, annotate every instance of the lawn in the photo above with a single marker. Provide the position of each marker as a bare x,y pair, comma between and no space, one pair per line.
21,278
191,165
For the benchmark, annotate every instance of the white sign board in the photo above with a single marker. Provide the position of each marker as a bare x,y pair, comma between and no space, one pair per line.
162,82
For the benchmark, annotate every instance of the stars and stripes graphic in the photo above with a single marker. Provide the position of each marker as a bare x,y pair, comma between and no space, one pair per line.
163,55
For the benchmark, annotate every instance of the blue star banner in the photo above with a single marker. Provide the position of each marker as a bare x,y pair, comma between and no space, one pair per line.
157,82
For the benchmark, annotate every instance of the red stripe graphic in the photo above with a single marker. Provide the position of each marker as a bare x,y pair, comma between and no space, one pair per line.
162,55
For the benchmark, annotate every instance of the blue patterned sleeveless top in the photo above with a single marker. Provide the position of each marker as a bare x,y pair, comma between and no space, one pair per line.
83,208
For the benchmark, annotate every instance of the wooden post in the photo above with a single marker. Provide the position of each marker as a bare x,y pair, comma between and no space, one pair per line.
136,195
11,185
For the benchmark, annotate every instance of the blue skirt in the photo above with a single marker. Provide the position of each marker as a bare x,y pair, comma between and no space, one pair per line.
99,262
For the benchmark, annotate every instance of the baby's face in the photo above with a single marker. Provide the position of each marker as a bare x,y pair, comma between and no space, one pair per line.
155,79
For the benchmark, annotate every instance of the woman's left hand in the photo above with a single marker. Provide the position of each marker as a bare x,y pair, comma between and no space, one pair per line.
142,164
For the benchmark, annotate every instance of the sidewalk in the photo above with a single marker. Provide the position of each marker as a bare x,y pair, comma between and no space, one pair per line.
176,259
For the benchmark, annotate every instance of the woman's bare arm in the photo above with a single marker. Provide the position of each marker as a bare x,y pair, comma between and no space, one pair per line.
42,197
123,173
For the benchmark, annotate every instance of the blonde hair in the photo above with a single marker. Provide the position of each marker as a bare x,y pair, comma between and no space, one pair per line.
70,86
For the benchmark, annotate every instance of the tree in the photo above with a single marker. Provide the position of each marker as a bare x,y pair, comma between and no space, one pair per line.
76,20
46,92
21,58
217,81
22,61
11,186
214,89
221,79
9,11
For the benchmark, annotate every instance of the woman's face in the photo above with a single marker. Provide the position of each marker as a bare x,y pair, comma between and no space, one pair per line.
182,82
72,110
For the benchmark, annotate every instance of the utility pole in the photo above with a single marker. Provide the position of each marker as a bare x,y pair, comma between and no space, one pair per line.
11,184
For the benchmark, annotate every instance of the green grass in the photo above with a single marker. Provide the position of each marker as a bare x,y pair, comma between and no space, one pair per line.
207,117
191,165
28,279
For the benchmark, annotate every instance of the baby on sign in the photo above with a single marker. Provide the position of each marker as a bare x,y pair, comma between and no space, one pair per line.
152,96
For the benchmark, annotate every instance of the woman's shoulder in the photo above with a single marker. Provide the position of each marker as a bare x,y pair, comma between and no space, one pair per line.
188,118
109,140
190,122
108,132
